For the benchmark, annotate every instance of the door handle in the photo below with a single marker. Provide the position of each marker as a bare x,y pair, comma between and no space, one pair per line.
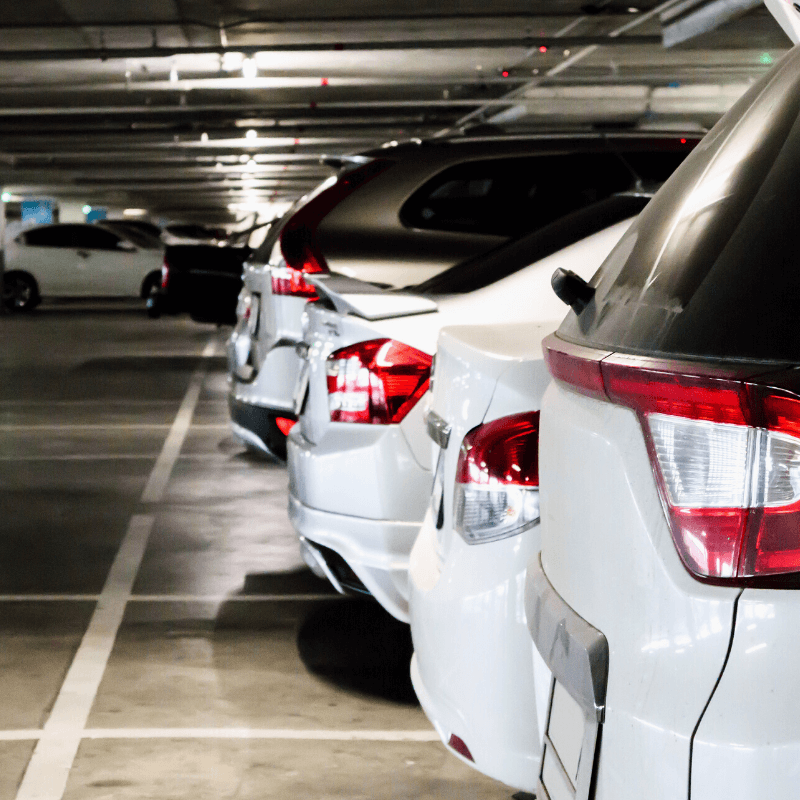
84,253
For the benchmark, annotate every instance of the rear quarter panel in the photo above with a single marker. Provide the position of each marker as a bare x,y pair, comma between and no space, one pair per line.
608,551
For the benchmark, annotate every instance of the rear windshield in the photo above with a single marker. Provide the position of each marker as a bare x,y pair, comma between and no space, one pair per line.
507,259
711,268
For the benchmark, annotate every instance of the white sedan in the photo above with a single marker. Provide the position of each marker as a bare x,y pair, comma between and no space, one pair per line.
77,260
359,460
473,661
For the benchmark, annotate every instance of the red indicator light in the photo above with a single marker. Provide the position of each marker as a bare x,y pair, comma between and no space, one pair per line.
285,424
543,49
505,73
324,81
683,141
457,743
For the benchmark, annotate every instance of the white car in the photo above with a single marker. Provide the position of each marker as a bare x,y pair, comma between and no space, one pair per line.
666,600
359,460
473,661
401,214
78,260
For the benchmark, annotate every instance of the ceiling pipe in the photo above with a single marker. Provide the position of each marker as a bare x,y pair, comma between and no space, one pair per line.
526,42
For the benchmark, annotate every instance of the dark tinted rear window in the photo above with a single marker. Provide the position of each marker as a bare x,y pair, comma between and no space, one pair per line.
507,259
711,269
502,196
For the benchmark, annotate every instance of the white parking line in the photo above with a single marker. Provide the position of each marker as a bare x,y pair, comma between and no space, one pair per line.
95,457
111,426
48,770
261,733
170,598
235,733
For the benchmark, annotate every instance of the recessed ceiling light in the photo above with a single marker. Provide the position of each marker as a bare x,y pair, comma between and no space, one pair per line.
249,68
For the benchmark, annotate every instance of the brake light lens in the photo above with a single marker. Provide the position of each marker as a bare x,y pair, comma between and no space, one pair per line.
725,452
376,382
165,274
497,479
298,241
290,281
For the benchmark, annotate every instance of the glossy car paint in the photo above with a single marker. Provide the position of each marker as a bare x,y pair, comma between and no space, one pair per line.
84,272
606,546
364,237
473,663
363,490
749,737
699,699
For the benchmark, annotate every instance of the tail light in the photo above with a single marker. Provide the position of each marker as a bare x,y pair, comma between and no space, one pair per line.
298,241
460,746
497,479
285,424
376,382
725,452
165,274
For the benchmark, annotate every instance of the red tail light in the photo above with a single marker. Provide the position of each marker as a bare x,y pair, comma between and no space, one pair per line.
376,382
497,479
165,274
460,746
285,424
726,455
298,241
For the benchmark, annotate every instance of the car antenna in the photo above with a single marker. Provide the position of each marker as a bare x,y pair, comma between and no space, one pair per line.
571,289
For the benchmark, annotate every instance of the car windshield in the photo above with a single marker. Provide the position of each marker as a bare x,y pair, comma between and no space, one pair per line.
507,259
711,269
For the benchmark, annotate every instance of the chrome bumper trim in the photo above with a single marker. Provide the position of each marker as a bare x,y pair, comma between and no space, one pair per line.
438,429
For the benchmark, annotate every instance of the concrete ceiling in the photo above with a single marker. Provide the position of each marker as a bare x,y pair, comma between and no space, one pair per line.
149,104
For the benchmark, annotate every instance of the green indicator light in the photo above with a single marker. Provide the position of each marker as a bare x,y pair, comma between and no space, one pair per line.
766,58
87,209
6,197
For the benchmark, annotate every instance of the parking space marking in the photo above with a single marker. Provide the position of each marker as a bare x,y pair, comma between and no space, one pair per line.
110,427
48,770
236,733
93,457
262,733
170,598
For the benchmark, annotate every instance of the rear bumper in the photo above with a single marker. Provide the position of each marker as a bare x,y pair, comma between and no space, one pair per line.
361,492
362,545
255,426
474,667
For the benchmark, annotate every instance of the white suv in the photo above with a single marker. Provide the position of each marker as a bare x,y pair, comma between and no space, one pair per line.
666,601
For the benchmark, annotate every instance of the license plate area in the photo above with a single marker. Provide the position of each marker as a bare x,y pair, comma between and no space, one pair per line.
569,748
577,655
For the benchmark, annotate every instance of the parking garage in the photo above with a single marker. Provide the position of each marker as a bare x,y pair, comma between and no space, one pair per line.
161,634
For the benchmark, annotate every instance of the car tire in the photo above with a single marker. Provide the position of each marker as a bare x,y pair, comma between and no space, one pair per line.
20,291
150,285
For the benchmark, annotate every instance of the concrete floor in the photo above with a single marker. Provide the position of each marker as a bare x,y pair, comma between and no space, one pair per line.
159,635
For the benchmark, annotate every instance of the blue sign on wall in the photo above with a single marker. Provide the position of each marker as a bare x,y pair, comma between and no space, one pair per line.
37,211
95,213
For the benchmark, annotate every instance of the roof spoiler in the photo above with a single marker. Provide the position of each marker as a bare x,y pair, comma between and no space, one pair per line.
788,16
362,299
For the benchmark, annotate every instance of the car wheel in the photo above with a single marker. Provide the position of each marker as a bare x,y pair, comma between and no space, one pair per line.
151,285
20,292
